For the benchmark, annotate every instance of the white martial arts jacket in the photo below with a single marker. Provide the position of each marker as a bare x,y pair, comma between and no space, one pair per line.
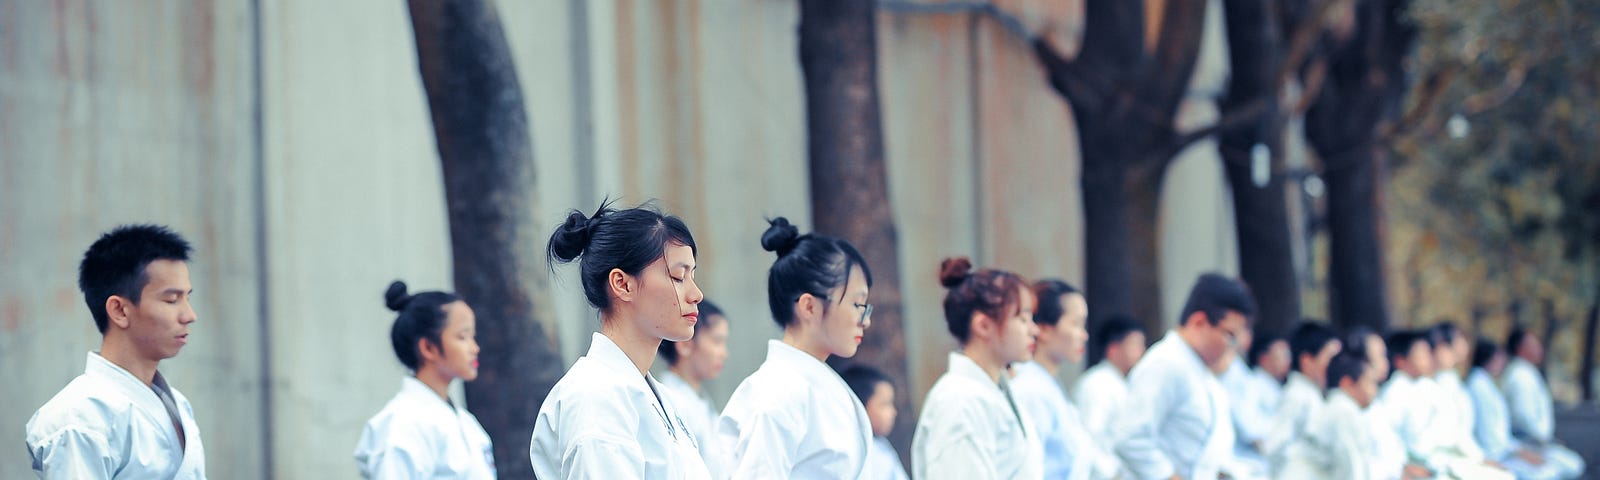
108,424
698,414
1336,444
1178,415
605,420
1101,394
971,428
1069,451
419,435
1301,399
794,418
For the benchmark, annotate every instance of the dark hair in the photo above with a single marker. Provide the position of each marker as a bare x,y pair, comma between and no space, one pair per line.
1444,333
1355,340
628,239
708,312
1483,351
1118,326
1514,341
1050,292
421,317
863,380
1260,346
1400,342
1308,338
988,290
810,263
1345,365
115,265
1216,295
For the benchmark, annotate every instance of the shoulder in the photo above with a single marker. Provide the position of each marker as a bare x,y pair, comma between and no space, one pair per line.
86,404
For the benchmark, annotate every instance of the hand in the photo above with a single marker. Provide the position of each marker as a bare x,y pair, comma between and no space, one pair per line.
1413,470
1530,456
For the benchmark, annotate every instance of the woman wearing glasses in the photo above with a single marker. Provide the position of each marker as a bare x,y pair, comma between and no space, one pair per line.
972,427
608,418
794,417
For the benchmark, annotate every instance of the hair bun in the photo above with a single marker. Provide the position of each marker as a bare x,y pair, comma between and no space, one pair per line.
780,237
572,237
954,270
396,298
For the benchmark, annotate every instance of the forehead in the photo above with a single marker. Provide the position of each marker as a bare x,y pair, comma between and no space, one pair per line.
166,274
678,255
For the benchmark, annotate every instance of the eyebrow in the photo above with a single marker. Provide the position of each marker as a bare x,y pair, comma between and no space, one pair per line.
176,291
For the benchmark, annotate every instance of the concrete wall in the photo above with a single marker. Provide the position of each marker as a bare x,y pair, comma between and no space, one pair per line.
290,140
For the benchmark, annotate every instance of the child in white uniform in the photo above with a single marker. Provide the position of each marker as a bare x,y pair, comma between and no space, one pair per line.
876,392
690,365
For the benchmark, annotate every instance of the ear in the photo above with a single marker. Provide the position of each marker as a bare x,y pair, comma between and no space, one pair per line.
807,308
429,351
1196,319
983,325
117,311
622,285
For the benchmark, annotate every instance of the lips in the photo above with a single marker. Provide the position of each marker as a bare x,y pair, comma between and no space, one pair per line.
692,317
858,339
183,339
474,364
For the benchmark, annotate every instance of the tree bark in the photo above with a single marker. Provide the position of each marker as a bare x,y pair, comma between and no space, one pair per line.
1360,97
481,130
849,177
1124,99
1261,213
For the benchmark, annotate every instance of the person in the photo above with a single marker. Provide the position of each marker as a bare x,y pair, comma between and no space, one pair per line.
1101,393
121,418
1311,346
876,392
1255,388
1412,395
691,364
607,418
1070,452
1528,399
1454,405
971,425
1492,423
421,433
1180,425
1336,443
794,417
1389,461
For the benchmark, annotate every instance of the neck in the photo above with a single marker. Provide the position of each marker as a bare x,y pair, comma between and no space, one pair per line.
1042,357
123,356
987,360
435,380
683,373
1315,380
797,339
640,349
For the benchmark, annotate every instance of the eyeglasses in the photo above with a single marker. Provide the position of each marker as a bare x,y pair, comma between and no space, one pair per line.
866,311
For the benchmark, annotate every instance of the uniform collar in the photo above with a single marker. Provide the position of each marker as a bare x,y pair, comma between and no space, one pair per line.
962,366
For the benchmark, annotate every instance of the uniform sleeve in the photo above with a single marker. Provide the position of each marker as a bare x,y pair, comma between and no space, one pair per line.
1091,405
596,438
1349,445
1488,423
1285,424
1150,398
760,440
958,453
72,454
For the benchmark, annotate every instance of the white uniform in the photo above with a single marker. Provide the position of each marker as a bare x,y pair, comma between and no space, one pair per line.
972,428
1492,429
1178,419
794,418
1070,453
1532,414
1336,444
1421,423
1455,414
108,424
698,414
1389,457
418,435
1101,394
605,420
1254,397
1301,399
883,463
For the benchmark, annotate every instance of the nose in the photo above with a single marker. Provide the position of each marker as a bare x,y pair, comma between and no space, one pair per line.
695,294
188,315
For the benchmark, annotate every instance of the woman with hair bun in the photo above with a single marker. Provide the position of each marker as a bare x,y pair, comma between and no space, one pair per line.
971,426
795,417
421,433
607,417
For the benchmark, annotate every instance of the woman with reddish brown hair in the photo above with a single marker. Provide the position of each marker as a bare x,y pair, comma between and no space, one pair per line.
971,426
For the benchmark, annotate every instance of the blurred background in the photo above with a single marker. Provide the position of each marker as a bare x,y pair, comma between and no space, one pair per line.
1388,163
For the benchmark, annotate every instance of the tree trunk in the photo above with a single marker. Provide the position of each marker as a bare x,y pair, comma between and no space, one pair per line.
1355,257
1121,205
849,178
481,129
1261,213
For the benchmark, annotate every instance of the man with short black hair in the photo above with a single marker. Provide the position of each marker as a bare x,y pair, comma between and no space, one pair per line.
1102,391
1528,398
121,419
1179,420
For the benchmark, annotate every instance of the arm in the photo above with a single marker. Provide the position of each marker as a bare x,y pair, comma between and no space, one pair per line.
597,437
958,454
760,441
1285,424
394,451
1520,399
72,453
1151,395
